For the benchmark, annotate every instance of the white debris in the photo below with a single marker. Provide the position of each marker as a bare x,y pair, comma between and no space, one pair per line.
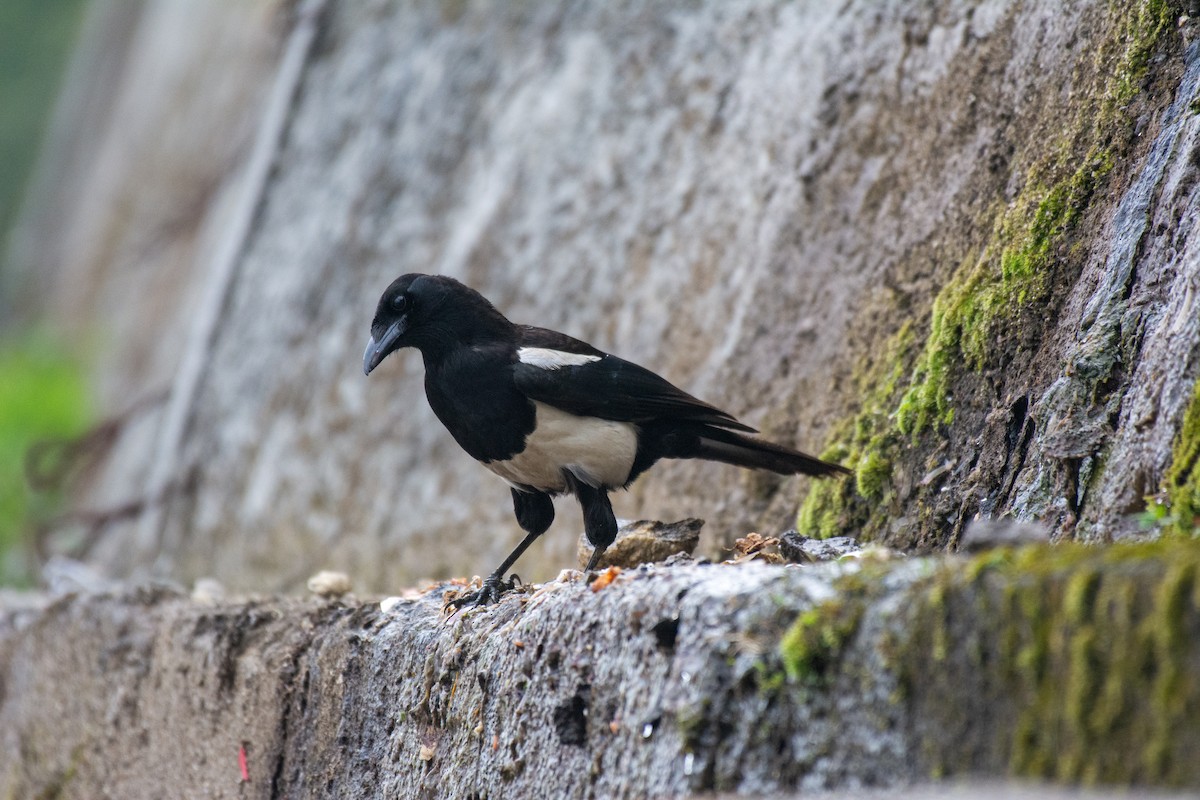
329,584
208,591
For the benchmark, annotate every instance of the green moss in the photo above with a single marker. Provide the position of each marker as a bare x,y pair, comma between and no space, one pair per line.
768,681
812,647
990,293
693,722
872,474
1081,595
823,513
43,395
1150,21
865,443
1183,478
1086,658
995,294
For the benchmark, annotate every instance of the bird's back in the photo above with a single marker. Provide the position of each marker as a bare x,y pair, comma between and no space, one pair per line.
574,376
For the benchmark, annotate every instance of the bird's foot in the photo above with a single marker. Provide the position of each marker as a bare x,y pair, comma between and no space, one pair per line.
486,595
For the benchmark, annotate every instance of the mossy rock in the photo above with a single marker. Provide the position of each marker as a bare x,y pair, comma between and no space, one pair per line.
921,401
1064,663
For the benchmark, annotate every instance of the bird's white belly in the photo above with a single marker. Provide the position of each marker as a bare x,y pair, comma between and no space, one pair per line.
599,452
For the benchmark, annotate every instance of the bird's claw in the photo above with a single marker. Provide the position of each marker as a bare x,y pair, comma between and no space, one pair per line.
486,595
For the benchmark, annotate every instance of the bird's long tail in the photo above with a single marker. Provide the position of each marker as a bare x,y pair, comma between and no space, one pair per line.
716,444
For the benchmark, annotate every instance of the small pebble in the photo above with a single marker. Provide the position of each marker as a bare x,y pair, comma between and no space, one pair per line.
329,584
208,591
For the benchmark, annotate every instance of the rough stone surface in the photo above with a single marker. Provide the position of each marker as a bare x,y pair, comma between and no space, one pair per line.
748,197
757,199
984,534
644,542
671,680
1131,324
131,198
806,550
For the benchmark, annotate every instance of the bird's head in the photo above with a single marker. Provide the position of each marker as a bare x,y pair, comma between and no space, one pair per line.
432,313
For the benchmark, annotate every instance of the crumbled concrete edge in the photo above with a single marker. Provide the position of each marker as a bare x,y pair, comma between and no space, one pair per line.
1064,663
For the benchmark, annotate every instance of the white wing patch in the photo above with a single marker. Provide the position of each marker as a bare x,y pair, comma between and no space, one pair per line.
545,358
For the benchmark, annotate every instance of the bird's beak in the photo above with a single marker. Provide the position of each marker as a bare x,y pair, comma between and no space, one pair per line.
377,350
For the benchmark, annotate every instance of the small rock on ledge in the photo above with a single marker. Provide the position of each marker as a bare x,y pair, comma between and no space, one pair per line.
644,542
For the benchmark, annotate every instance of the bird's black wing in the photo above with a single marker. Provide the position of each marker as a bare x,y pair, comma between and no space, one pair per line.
604,386
530,336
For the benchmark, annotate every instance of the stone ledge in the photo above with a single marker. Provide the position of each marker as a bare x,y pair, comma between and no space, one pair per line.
747,678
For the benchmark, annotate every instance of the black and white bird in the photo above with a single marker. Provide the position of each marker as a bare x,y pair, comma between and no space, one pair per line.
551,414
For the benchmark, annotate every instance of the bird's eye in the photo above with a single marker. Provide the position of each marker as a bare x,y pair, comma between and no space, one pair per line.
400,303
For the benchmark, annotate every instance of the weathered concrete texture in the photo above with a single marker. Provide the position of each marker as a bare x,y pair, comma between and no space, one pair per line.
671,680
132,197
749,197
728,193
1023,391
1130,333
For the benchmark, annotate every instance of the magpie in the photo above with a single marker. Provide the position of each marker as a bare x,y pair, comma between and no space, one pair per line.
551,414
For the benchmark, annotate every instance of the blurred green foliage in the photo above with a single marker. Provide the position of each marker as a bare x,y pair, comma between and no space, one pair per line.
43,395
36,37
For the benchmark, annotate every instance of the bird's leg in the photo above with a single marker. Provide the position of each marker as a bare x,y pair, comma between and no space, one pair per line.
535,512
599,522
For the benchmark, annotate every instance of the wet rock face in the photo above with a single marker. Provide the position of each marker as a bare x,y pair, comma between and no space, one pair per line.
715,192
749,678
752,198
566,692
746,197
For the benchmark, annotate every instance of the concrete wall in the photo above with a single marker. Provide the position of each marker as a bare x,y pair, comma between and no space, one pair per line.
769,203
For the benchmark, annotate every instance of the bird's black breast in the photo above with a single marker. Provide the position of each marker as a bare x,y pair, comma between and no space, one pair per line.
472,392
